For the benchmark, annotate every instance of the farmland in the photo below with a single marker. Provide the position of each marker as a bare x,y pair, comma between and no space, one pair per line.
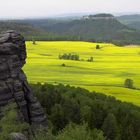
106,74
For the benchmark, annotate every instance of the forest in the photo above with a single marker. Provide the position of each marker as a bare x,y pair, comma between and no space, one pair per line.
111,30
77,114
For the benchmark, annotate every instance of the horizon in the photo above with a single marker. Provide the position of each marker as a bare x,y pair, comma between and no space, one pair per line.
16,9
68,15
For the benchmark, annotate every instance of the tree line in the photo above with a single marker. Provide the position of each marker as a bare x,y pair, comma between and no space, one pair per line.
76,57
77,114
110,118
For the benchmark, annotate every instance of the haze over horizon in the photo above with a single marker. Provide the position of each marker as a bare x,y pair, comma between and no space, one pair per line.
42,8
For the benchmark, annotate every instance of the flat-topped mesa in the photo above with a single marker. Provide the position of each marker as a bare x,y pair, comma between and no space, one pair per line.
99,17
13,82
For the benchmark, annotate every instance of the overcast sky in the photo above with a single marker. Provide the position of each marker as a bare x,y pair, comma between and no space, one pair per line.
44,8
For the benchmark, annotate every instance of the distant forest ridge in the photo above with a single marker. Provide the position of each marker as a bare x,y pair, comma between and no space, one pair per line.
132,21
122,30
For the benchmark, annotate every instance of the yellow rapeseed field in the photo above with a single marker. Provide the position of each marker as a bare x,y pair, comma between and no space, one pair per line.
111,66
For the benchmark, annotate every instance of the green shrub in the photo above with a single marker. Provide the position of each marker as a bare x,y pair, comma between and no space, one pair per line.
9,122
97,47
69,56
129,83
79,132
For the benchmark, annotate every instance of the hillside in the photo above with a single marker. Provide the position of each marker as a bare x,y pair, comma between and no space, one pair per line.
99,28
134,25
111,66
19,27
26,29
95,28
127,19
132,21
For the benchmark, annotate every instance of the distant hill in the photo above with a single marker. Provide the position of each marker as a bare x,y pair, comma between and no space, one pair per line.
26,29
127,19
23,28
134,25
132,21
99,28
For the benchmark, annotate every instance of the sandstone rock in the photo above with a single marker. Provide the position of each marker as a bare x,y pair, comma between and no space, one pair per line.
13,81
18,136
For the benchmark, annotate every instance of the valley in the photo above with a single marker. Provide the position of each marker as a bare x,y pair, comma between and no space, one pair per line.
111,66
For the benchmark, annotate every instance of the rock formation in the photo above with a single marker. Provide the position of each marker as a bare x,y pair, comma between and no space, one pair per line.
13,82
17,136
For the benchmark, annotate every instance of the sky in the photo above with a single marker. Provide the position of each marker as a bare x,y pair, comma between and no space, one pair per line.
46,8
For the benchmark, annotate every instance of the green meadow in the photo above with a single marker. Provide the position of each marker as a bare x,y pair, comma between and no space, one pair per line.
111,66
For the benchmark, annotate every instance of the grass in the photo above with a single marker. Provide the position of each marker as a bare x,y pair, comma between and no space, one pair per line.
111,66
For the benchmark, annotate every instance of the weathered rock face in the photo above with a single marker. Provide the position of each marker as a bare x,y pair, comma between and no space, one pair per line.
17,136
13,82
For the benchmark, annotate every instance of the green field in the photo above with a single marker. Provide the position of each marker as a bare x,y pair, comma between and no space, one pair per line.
111,66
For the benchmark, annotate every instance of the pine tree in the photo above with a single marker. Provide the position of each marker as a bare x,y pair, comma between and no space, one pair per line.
110,127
